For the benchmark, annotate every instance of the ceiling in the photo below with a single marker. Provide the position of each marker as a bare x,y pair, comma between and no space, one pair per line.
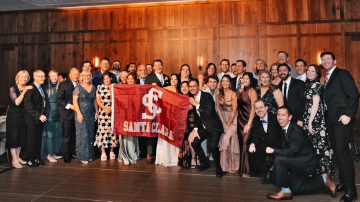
15,5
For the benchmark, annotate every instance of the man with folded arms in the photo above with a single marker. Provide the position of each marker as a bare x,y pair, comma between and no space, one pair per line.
295,161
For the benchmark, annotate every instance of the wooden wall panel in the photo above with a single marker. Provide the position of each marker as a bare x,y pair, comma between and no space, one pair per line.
179,32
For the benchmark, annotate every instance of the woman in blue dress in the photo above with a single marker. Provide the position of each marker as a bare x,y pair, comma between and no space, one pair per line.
86,113
52,134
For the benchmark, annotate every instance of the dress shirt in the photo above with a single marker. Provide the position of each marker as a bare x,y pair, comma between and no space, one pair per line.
117,75
264,122
286,127
302,77
142,81
40,90
160,77
331,71
239,79
221,74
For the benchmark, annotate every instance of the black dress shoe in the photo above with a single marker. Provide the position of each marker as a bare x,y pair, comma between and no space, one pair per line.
265,181
40,162
67,159
340,187
203,167
219,173
349,196
32,164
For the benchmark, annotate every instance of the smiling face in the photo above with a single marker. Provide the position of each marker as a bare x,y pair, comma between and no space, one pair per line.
149,69
104,65
284,72
274,71
86,67
141,71
225,82
123,78
184,88
107,80
130,79
234,70
132,68
22,79
264,79
194,87
224,66
328,62
311,73
74,75
240,68
283,117
246,81
282,58
185,71
158,67
174,80
260,109
300,67
53,76
86,77
39,77
260,65
211,70
212,83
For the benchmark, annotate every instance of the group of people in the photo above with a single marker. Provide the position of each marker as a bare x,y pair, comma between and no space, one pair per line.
279,122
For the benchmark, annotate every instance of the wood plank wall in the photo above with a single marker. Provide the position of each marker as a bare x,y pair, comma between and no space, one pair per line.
178,33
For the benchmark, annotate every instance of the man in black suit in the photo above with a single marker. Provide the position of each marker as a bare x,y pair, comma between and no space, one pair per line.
295,161
104,66
241,69
266,132
293,92
35,103
162,80
342,99
207,126
158,78
64,98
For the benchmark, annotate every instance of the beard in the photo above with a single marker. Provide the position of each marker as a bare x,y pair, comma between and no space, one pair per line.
116,67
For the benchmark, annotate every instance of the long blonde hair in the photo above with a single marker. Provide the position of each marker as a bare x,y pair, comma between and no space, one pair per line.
50,90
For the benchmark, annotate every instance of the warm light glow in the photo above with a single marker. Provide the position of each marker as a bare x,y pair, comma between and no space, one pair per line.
200,60
96,61
318,59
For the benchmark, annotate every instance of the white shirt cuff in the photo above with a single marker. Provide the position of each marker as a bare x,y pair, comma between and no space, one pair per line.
68,106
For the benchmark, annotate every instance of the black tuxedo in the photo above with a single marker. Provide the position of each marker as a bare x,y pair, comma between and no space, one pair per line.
35,107
295,98
342,98
297,158
272,138
152,78
64,97
233,83
209,127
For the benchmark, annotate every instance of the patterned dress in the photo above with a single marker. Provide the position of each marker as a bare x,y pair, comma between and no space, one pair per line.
269,98
320,139
104,136
85,129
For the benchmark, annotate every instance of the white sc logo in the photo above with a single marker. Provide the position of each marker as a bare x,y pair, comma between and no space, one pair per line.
148,99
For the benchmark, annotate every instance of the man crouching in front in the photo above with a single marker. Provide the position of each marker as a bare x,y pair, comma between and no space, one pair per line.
295,161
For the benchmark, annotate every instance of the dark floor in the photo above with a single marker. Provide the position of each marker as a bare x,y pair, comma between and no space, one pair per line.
112,181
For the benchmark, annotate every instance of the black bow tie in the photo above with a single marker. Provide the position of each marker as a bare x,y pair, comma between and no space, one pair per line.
262,121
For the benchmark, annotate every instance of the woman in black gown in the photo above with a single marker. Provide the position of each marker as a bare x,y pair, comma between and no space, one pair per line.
15,122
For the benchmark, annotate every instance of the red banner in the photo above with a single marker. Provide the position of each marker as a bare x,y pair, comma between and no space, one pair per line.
149,111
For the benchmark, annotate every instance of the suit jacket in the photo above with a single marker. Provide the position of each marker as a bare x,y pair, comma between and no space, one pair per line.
208,117
233,82
341,96
34,105
295,98
138,80
152,78
271,138
64,97
296,143
96,78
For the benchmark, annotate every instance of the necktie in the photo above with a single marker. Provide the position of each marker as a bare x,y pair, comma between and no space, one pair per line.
238,83
162,80
285,94
42,93
327,79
